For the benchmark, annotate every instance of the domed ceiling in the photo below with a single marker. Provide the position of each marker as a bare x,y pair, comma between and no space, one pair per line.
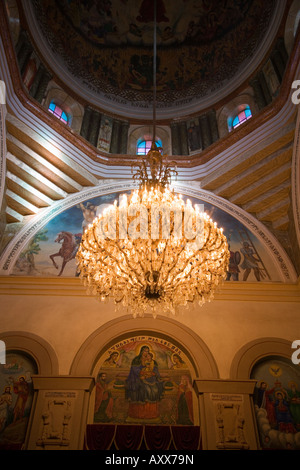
106,46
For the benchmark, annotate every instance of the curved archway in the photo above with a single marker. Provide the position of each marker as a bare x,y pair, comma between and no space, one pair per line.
196,350
146,133
36,347
230,110
68,104
268,361
252,352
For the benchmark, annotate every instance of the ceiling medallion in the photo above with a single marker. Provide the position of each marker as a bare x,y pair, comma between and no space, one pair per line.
154,252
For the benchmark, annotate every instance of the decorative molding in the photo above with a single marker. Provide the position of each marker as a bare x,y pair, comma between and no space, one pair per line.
230,421
56,417
229,291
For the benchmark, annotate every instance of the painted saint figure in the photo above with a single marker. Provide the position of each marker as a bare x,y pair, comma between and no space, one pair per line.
89,214
5,403
283,415
144,387
111,361
185,402
294,403
104,402
249,262
21,389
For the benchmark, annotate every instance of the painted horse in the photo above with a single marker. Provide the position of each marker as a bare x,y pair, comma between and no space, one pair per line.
68,248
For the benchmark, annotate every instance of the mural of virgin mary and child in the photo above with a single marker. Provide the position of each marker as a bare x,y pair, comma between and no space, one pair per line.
144,387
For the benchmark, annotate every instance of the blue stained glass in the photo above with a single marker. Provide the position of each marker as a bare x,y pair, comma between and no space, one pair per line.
236,121
144,146
52,107
58,112
242,117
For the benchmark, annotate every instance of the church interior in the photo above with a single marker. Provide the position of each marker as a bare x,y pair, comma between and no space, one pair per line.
77,95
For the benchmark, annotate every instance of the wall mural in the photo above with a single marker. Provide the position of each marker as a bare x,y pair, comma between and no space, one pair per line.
15,399
277,403
51,252
144,379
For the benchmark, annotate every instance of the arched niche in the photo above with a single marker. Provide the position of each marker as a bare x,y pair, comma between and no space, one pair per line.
67,103
277,392
34,346
231,109
253,352
146,133
177,357
87,358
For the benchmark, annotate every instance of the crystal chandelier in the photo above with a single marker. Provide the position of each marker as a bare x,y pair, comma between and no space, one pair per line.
154,252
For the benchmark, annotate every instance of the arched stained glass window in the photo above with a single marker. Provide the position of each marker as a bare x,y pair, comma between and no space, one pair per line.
58,112
143,146
242,117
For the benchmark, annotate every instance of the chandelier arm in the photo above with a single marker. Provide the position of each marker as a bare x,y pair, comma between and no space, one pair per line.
129,264
85,241
187,261
175,278
183,281
210,249
173,266
151,260
101,248
121,268
164,255
145,170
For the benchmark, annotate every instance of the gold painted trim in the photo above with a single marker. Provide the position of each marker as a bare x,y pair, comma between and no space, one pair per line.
230,291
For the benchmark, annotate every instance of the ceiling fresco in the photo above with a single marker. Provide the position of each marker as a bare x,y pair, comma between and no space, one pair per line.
108,45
